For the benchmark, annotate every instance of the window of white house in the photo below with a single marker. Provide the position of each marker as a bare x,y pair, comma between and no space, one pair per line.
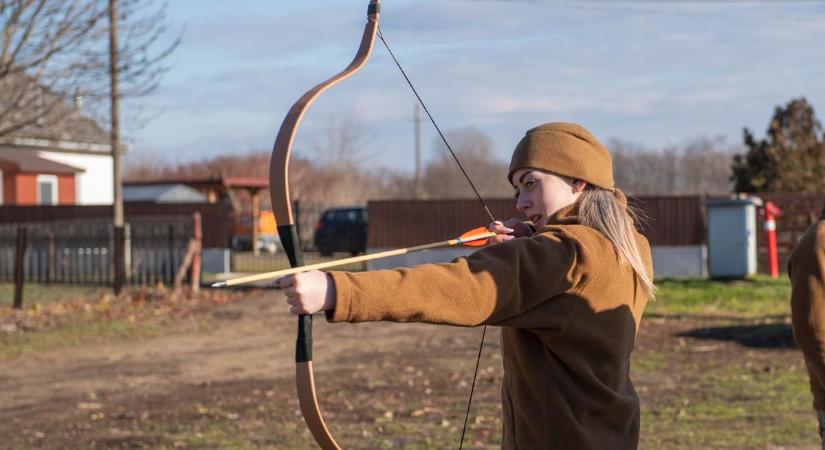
46,190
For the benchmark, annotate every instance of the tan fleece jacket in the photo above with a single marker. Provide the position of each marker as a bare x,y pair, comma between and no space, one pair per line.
569,312
806,268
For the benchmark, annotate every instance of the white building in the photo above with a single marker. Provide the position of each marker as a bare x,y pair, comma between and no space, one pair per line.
63,136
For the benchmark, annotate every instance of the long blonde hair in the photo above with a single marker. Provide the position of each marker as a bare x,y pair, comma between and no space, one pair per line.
600,209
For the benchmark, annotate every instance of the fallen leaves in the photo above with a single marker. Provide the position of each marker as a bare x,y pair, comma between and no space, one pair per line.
89,405
133,306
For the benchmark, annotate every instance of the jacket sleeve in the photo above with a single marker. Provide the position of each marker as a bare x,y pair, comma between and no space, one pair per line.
806,268
496,285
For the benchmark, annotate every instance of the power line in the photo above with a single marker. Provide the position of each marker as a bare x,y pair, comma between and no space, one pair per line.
435,125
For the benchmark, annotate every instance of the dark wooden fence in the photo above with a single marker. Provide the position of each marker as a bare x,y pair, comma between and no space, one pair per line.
82,251
672,220
799,211
217,226
404,223
666,220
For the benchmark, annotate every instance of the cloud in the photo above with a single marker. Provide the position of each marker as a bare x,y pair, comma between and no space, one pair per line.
645,72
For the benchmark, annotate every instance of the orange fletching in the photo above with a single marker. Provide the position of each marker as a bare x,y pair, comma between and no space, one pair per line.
475,231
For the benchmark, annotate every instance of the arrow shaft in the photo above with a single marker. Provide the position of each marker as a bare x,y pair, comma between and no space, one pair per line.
354,259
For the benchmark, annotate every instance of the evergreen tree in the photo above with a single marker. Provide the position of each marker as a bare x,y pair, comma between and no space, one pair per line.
791,158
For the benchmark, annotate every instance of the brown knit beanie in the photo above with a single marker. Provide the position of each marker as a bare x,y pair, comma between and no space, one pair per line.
564,149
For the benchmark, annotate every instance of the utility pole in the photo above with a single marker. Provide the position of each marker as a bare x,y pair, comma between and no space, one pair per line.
417,151
117,207
115,113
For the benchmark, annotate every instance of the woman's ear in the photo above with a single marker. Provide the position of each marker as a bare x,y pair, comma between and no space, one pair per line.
579,186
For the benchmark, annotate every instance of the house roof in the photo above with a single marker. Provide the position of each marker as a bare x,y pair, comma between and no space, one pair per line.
162,193
63,124
26,161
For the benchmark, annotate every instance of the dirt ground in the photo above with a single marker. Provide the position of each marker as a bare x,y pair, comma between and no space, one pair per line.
227,382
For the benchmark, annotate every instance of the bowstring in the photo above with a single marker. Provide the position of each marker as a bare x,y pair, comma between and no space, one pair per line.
478,196
430,116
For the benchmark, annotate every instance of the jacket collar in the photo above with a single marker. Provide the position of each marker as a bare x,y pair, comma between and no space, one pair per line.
569,215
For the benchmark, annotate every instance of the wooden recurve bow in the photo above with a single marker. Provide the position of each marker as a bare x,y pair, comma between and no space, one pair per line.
282,208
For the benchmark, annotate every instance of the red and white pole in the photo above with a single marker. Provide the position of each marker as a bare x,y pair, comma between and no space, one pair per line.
771,212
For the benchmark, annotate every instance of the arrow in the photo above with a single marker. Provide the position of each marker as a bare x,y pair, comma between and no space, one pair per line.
473,238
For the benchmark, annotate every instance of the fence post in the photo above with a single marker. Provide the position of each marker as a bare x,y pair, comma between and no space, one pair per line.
127,253
256,232
170,245
20,268
50,256
195,274
118,255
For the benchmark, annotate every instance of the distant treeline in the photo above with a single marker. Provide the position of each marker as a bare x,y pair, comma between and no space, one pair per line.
791,158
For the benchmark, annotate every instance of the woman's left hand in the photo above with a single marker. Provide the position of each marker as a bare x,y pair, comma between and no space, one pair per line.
308,292
508,230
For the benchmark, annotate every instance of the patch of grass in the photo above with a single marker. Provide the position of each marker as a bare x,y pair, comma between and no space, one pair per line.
75,334
214,431
758,298
104,318
650,361
731,406
703,393
43,294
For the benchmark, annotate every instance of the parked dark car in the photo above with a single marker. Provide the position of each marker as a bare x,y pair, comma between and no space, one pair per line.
342,230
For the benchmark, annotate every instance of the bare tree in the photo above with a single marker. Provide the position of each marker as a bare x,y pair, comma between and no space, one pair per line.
442,177
637,169
339,176
340,144
700,165
55,52
705,166
253,165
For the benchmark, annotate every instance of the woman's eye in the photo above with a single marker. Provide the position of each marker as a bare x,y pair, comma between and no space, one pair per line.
529,183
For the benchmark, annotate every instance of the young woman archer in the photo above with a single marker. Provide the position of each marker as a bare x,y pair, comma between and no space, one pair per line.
568,288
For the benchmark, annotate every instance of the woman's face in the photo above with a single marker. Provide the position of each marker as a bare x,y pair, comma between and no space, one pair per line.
539,194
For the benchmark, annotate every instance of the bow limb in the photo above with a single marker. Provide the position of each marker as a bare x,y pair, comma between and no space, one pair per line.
282,208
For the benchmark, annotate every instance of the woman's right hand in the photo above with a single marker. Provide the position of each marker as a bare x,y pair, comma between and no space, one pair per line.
509,229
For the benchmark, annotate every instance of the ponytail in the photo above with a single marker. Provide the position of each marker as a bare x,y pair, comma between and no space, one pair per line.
600,209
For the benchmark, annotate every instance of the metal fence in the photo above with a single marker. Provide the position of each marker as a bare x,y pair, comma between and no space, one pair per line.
158,248
82,251
216,221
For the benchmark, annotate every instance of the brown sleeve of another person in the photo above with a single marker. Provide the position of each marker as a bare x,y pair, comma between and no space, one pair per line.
806,269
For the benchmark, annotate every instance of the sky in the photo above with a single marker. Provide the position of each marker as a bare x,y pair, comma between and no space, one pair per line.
648,72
